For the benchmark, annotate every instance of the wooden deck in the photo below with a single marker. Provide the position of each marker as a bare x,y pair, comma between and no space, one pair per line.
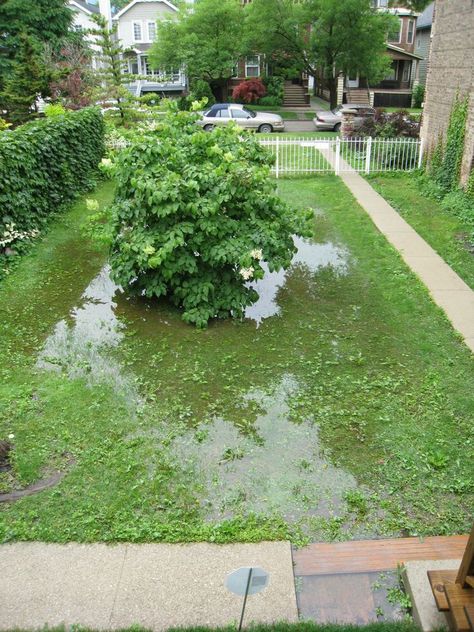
340,581
366,556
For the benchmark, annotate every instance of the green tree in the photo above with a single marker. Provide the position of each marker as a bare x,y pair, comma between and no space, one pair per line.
24,83
44,21
195,215
206,39
322,37
110,74
414,5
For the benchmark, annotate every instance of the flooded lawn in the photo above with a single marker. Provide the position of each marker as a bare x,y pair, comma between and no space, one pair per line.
338,407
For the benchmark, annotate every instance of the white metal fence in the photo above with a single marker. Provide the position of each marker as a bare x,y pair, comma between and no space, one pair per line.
294,156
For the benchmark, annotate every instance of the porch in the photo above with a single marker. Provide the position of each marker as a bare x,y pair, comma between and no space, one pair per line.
165,82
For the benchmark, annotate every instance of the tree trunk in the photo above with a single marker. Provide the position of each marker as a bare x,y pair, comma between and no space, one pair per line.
219,89
332,85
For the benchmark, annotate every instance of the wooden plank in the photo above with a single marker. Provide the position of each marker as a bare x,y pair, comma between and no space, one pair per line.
470,580
458,599
470,615
467,564
438,579
361,556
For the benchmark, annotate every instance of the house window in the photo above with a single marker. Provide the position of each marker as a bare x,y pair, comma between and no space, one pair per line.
146,67
151,31
411,31
252,66
137,31
395,33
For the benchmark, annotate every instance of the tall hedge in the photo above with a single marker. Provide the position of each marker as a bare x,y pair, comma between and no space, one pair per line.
46,164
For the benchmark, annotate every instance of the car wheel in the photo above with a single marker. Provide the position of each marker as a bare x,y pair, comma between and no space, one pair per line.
337,128
266,128
208,128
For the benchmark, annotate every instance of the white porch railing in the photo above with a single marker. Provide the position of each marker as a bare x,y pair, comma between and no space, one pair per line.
296,156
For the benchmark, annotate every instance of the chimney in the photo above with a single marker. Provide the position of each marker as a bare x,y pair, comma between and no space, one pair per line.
106,10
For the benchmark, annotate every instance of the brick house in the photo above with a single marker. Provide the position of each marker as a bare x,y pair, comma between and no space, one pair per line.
395,90
450,72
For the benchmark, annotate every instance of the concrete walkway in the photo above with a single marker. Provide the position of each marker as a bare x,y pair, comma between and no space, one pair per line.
156,586
447,289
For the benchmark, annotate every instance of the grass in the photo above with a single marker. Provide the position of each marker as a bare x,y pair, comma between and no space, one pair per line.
376,366
314,134
444,232
301,626
289,116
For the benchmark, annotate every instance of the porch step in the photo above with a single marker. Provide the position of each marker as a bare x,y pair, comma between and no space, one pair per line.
360,96
459,599
294,95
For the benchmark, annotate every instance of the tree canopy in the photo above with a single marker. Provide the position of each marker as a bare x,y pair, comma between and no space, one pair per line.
207,40
322,37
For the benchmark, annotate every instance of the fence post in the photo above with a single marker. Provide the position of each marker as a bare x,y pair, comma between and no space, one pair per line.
420,153
368,154
338,156
277,163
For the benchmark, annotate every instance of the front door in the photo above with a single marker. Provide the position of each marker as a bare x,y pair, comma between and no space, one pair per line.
352,81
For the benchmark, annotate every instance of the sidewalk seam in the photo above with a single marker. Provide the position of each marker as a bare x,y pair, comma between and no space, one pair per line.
119,581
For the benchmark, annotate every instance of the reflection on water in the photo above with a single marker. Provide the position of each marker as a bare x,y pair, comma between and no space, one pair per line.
277,469
82,349
312,256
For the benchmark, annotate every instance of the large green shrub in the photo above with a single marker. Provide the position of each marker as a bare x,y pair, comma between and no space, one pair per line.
45,164
195,215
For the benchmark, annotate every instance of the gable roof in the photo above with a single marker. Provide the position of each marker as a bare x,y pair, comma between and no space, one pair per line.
425,19
85,6
134,2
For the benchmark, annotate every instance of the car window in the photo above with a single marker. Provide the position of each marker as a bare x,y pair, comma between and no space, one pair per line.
251,112
210,113
224,113
337,109
239,114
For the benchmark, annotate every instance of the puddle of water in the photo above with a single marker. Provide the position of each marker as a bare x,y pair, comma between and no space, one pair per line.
279,469
313,257
82,348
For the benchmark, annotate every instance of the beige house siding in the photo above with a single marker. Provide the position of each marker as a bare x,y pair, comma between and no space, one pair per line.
450,70
142,12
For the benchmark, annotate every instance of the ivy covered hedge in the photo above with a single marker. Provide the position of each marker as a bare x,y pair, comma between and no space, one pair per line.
46,164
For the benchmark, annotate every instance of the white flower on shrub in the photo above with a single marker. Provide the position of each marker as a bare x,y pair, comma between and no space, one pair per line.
256,254
11,234
106,162
92,205
246,273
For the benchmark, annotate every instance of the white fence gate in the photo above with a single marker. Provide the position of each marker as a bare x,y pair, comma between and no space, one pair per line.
294,156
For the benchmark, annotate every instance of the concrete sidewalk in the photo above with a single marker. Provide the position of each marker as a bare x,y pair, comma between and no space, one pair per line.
447,289
157,586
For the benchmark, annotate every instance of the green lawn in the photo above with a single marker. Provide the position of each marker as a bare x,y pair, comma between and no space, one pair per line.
444,232
346,413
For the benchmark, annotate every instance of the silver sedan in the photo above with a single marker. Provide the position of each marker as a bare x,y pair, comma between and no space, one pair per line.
222,113
332,119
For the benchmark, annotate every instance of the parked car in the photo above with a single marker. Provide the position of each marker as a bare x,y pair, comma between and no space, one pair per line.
331,119
222,113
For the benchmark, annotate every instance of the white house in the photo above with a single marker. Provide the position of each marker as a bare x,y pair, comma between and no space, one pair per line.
136,29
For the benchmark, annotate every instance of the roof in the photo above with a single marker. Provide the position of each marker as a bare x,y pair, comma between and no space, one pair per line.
85,6
403,53
134,2
425,19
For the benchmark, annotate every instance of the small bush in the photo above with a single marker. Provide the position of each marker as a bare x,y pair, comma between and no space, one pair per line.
418,96
44,165
194,216
270,101
389,125
249,91
460,204
275,90
200,89
54,109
